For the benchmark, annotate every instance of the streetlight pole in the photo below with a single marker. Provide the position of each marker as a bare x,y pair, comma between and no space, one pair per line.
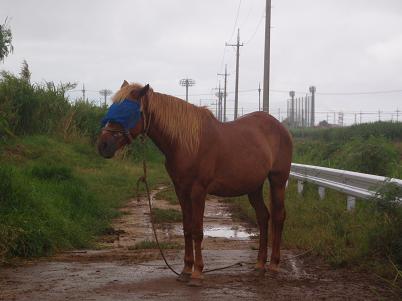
187,82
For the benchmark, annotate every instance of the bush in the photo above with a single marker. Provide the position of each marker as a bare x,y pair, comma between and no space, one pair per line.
389,129
27,109
374,155
386,238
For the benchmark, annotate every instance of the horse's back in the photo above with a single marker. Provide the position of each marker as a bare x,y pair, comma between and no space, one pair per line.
247,149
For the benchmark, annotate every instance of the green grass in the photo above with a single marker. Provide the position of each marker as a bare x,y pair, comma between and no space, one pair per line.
166,215
147,244
370,237
389,129
169,195
374,148
56,195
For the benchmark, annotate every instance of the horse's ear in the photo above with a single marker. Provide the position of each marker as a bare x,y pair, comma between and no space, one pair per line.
125,83
143,91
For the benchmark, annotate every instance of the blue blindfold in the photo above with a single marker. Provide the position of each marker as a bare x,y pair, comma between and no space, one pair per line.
126,113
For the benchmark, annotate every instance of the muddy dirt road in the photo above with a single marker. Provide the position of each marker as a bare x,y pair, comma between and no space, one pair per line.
119,272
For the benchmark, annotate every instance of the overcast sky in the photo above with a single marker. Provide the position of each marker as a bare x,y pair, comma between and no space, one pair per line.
340,46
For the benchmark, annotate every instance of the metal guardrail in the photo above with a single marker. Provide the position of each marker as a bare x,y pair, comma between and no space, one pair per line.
353,184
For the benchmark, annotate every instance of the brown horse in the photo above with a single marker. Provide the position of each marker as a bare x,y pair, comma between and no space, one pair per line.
205,156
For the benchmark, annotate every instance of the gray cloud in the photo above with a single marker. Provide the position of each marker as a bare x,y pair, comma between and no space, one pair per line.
339,46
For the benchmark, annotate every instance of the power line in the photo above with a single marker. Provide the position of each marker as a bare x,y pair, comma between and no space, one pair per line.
235,23
360,93
255,31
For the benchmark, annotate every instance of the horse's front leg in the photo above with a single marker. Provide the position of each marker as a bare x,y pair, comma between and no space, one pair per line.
198,194
185,204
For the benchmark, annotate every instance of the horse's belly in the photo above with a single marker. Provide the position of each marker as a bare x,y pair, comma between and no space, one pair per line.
236,184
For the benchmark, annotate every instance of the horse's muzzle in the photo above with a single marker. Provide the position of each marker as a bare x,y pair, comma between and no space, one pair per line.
107,148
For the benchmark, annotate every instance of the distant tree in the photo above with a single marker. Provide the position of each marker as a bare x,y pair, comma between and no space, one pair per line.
25,74
5,40
324,124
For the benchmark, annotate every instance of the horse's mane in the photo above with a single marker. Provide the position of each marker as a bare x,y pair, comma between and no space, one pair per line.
179,120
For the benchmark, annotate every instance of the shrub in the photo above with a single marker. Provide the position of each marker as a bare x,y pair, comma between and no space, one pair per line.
375,155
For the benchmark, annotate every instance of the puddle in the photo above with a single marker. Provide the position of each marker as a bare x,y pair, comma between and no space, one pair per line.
238,232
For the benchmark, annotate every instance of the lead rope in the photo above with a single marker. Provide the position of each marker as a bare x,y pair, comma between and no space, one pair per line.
143,179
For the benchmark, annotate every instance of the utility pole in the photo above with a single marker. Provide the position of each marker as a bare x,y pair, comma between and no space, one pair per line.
267,54
224,92
292,108
306,121
83,92
219,94
312,91
237,71
259,96
397,115
220,103
187,82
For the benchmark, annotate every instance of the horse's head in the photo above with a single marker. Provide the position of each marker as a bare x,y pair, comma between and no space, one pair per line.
124,119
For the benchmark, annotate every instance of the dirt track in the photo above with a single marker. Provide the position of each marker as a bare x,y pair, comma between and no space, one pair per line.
116,272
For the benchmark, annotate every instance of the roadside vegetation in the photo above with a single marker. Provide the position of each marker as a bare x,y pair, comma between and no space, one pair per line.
56,192
168,194
369,237
374,148
170,215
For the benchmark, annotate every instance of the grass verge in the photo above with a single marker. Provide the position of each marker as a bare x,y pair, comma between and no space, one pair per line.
370,237
166,215
57,196
169,195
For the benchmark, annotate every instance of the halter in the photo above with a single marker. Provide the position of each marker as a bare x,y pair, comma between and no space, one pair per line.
126,132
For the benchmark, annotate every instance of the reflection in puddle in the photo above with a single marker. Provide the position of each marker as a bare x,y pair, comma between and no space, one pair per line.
218,231
227,232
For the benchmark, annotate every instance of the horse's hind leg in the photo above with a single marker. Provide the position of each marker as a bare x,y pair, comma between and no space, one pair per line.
278,214
257,201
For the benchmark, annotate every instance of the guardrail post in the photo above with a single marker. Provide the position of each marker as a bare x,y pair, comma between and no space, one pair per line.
350,202
299,187
321,192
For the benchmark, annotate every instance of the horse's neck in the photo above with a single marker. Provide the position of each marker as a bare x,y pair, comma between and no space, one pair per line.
157,135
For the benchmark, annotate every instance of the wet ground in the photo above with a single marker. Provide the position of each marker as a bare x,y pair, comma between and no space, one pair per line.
118,272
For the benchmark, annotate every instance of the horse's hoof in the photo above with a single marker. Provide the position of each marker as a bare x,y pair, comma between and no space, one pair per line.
195,282
184,277
272,267
259,272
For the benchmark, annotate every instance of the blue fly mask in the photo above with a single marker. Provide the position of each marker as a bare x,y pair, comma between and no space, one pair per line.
126,113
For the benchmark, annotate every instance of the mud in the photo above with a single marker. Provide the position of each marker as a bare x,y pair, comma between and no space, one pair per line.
116,272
